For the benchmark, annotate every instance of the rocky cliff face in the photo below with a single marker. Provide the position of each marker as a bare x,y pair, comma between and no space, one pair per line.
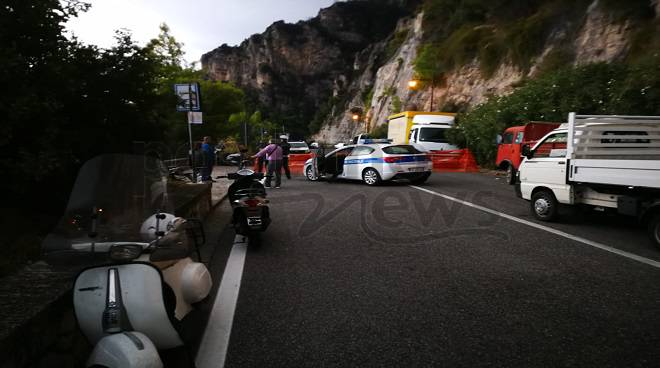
330,68
599,37
292,69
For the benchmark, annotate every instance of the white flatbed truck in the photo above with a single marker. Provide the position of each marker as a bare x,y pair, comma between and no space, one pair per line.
605,162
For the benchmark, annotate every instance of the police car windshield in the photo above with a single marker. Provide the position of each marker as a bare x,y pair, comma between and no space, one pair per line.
298,144
400,150
432,135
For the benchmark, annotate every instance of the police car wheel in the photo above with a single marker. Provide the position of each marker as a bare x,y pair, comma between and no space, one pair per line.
370,176
309,173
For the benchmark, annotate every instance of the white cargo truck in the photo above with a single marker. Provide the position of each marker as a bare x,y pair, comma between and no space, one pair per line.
424,130
606,162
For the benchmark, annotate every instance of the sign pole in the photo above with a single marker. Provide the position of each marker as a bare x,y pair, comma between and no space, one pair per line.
194,114
192,152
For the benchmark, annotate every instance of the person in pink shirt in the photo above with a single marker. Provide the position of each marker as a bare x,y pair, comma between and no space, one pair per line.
273,154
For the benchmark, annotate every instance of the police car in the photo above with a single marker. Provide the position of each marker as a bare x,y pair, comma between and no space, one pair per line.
372,163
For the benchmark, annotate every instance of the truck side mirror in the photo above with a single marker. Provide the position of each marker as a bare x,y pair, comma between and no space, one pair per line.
526,151
498,139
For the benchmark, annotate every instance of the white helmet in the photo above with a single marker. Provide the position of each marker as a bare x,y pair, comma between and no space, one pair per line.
152,225
284,136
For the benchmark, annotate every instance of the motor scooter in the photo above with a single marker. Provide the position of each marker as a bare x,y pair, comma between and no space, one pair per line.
247,196
133,297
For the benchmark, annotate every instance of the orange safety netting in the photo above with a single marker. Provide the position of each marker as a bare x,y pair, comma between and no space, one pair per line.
459,160
296,163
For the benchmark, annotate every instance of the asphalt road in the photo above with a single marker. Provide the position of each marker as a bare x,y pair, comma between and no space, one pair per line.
390,276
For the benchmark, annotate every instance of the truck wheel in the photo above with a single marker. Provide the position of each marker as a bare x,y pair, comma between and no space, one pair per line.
370,176
309,173
544,205
511,174
653,227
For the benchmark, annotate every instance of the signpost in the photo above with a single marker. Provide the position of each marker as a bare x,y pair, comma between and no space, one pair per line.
190,101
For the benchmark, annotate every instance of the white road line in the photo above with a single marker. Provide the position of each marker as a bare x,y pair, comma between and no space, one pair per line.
594,244
213,349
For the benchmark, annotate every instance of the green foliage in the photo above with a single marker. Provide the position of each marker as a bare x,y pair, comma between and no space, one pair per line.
64,103
459,31
591,89
367,97
379,131
323,112
396,104
635,9
395,43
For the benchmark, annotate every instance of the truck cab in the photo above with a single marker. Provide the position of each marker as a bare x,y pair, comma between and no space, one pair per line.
511,141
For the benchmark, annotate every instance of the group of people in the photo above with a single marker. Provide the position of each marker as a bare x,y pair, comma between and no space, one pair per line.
275,156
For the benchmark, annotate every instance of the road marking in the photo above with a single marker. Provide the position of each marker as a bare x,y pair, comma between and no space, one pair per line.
592,243
213,349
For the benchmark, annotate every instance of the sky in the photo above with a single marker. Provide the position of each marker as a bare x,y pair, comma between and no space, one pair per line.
201,25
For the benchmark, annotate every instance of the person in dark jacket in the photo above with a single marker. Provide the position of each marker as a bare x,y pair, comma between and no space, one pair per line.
208,152
286,148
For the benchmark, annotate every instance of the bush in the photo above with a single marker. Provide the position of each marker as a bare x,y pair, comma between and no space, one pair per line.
379,131
458,31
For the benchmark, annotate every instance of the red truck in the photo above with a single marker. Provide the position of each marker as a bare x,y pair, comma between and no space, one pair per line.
511,141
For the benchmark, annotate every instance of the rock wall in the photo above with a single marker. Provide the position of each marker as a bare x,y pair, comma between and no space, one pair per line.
331,58
292,69
599,38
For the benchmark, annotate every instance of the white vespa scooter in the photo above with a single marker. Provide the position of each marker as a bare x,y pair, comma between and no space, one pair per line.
134,299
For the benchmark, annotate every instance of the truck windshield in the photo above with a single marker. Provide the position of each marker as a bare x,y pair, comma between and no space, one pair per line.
432,135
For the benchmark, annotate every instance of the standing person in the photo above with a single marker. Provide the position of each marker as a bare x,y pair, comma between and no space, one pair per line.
273,154
286,148
261,160
208,152
197,159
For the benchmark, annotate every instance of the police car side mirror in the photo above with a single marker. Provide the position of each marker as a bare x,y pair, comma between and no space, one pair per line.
527,152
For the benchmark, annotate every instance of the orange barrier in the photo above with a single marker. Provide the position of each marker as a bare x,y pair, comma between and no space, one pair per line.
296,163
460,160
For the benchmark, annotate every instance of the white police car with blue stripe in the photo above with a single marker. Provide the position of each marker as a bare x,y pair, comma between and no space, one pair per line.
372,163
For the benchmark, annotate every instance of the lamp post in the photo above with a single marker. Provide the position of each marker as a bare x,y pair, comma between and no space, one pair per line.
414,83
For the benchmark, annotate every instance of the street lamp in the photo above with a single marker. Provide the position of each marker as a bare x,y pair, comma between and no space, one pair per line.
414,83
357,116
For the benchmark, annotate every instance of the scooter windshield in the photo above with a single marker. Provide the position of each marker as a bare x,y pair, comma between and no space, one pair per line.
111,198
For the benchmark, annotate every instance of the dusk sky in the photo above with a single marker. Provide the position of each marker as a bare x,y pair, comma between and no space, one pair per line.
201,25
